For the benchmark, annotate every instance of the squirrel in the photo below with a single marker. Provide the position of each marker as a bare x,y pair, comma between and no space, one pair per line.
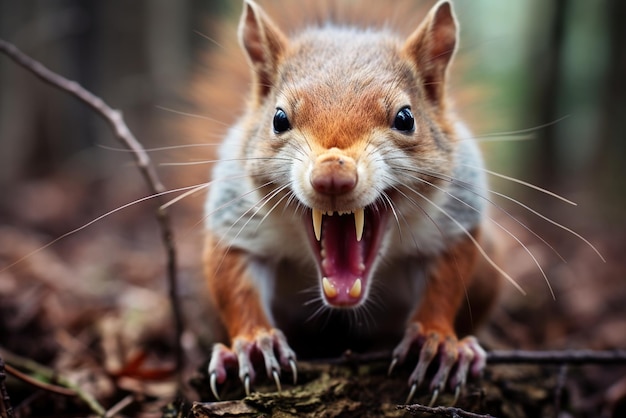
343,212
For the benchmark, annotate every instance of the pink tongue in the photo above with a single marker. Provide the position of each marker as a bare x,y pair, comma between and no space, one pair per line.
342,254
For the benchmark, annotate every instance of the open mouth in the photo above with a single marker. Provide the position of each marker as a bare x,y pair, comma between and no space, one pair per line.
346,245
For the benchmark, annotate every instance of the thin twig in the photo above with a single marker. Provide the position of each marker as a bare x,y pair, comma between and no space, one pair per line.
51,375
125,136
442,411
573,357
6,410
120,406
38,383
557,357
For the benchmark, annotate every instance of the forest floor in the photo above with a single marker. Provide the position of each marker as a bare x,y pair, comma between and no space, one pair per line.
92,313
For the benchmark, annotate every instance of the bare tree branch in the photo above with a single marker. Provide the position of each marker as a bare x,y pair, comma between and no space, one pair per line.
557,357
506,357
125,136
442,411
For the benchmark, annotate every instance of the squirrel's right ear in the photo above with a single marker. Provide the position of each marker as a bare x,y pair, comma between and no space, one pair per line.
264,44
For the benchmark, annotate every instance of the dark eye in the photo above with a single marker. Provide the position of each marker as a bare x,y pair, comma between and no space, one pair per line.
281,122
404,121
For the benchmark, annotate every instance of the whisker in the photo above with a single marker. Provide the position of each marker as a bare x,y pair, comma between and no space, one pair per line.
184,195
99,218
472,189
519,131
519,203
393,211
522,182
235,199
261,201
318,312
157,149
259,205
421,209
202,162
553,222
274,205
208,38
474,241
505,137
499,226
193,115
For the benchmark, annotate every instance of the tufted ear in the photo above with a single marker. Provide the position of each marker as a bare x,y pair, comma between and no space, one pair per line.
264,45
431,48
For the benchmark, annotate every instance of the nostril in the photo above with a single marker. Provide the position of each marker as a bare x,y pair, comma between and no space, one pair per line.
333,184
334,177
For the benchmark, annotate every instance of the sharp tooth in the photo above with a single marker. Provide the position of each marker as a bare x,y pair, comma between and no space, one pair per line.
329,290
355,290
317,223
359,221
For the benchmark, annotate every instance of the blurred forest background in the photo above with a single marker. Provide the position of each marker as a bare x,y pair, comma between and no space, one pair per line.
543,87
559,62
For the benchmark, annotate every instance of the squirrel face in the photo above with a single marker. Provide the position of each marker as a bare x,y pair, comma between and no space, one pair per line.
357,119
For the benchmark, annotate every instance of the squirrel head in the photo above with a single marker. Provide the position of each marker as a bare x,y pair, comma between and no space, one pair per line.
351,126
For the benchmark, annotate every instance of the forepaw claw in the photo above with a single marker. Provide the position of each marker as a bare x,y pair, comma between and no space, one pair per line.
276,377
451,360
294,370
243,357
394,362
213,384
457,392
411,393
434,397
246,384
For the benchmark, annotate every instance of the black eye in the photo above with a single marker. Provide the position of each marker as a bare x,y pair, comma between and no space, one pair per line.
281,122
404,121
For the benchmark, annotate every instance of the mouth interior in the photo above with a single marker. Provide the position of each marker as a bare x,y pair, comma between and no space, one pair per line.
345,261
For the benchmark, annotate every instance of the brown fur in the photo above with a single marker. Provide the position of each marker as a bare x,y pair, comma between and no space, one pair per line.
232,291
338,120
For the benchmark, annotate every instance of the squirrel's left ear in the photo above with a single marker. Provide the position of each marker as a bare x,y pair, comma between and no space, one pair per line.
264,44
431,48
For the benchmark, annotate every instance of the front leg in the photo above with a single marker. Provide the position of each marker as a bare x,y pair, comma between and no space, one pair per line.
431,328
237,298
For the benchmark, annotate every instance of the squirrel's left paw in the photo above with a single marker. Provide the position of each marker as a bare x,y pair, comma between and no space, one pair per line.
461,356
269,346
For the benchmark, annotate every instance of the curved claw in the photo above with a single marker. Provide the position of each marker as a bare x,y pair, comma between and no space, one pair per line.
394,362
427,354
213,384
457,392
246,384
411,393
294,370
276,377
243,357
433,399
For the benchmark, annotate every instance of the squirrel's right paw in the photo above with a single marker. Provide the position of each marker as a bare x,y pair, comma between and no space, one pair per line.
273,349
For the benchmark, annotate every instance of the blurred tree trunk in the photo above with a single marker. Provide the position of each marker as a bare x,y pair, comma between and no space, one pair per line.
611,159
134,55
548,66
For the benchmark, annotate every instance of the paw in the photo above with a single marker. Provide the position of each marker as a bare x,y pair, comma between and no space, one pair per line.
266,349
453,359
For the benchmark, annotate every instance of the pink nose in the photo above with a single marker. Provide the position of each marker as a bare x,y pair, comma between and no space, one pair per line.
334,174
